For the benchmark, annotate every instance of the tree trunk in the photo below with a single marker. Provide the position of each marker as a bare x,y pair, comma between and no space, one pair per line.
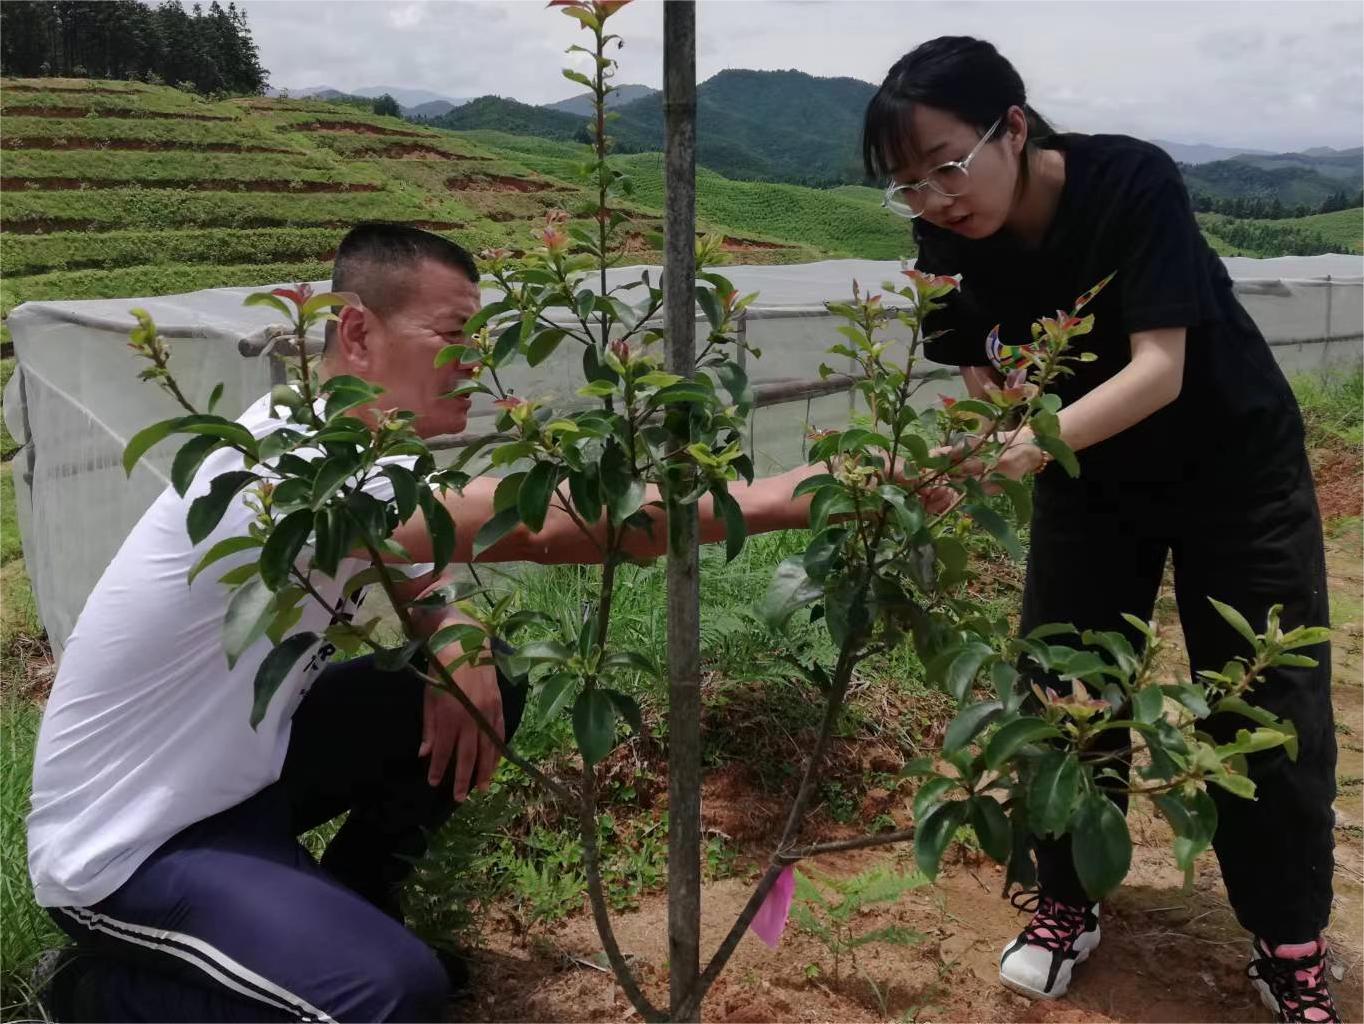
684,594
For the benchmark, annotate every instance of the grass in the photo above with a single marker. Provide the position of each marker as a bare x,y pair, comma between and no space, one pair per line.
184,208
27,929
175,134
97,167
1332,408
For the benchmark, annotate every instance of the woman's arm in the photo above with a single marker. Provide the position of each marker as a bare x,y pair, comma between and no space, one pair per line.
1151,381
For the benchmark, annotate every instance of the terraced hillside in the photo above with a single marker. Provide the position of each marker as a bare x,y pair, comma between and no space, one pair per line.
120,189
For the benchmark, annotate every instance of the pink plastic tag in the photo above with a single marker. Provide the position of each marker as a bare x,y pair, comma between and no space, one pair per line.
770,921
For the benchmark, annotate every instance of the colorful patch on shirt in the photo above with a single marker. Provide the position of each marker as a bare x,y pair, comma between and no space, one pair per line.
1006,357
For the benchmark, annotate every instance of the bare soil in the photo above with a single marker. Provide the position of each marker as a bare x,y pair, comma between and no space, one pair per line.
1167,955
732,244
412,151
498,183
352,127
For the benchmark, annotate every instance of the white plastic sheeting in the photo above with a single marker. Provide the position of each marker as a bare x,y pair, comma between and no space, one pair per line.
75,400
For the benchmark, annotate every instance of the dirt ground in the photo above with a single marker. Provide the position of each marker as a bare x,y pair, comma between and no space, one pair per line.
1167,954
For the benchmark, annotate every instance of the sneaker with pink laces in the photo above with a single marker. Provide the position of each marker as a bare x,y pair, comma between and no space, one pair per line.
1291,979
1039,963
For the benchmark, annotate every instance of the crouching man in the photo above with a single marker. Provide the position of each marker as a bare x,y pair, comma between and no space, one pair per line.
163,832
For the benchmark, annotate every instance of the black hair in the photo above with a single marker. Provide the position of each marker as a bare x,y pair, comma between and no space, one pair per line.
374,258
963,76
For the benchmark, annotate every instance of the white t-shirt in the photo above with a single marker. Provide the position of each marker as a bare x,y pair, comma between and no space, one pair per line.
147,730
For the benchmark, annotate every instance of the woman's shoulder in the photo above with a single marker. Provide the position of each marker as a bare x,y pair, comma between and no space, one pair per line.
1120,159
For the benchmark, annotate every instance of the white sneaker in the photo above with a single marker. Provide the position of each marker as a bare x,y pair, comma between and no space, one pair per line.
1038,964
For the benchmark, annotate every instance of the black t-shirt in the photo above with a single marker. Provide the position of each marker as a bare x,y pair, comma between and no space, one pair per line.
1124,208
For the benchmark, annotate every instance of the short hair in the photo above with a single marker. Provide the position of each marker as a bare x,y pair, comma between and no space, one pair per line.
374,258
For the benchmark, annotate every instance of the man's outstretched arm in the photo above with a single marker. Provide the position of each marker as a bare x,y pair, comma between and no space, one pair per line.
766,503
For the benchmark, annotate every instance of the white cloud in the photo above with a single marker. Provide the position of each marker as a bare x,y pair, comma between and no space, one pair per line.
1263,75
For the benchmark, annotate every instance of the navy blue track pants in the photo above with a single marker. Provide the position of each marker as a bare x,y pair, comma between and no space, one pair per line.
233,920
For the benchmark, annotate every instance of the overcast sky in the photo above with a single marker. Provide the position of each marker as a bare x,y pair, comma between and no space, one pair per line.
1277,75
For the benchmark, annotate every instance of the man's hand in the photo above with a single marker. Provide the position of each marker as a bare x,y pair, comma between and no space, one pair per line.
449,729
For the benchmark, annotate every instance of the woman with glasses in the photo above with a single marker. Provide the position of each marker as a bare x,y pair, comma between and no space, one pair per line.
1190,445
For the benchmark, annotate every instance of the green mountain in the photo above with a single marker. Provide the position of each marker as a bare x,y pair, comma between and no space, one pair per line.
1293,179
751,125
497,113
765,126
582,103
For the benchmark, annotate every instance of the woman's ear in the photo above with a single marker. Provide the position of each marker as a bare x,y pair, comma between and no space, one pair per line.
1017,121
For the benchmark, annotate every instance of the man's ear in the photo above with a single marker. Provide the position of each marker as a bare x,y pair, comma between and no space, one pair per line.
354,341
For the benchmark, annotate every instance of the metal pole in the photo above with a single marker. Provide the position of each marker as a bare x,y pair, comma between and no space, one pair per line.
684,590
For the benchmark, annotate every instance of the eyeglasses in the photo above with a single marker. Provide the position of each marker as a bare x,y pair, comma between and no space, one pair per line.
950,180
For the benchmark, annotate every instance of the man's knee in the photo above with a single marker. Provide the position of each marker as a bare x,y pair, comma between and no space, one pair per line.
408,983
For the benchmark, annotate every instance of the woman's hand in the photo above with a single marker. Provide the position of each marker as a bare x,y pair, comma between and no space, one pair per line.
1020,459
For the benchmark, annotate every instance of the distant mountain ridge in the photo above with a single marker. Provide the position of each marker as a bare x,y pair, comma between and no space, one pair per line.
582,103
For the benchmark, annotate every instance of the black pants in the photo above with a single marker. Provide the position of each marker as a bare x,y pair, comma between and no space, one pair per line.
232,920
1100,549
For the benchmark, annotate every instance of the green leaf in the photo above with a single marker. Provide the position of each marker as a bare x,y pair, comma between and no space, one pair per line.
594,725
822,550
734,380
625,503
321,301
553,695
1239,785
597,389
585,489
992,827
281,549
395,659
495,529
1235,619
1014,735
932,835
226,546
188,460
274,669
248,613
1052,792
542,345
710,306
1020,496
538,651
628,708
736,530
404,489
928,796
968,723
997,526
506,344
791,588
331,474
964,668
469,637
331,539
632,661
1193,819
144,439
206,511
1101,847
274,301
1060,451
1147,704
532,500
